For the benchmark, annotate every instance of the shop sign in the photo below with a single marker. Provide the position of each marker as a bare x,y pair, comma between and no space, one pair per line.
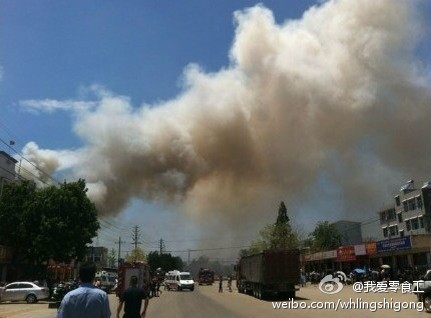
329,254
346,253
394,244
316,256
370,248
360,249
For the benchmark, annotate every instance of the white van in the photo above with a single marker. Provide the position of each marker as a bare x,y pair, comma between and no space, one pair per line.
179,280
107,280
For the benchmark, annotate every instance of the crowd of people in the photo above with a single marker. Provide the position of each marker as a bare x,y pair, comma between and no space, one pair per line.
385,273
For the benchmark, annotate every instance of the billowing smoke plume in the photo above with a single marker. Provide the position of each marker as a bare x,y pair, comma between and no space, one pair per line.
335,102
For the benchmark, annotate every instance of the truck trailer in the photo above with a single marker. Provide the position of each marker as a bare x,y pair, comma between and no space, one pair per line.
271,272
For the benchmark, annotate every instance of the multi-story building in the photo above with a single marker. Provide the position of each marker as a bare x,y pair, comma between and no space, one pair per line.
409,214
98,255
402,237
7,174
7,169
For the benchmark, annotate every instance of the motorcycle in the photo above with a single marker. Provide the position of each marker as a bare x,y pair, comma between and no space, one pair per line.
61,289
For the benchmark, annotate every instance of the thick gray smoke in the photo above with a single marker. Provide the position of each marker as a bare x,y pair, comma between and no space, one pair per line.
335,103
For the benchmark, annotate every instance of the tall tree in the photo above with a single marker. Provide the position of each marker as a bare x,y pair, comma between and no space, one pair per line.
282,217
52,222
165,261
112,258
136,254
325,236
277,235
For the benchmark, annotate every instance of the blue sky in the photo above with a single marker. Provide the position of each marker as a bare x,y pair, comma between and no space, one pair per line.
58,50
51,49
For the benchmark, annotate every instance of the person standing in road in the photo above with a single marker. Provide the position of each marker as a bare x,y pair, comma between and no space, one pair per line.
229,282
87,301
220,285
132,299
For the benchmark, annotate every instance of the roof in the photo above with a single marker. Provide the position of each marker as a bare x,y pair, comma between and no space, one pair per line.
7,156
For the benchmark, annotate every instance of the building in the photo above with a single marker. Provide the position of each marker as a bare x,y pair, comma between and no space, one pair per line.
98,255
7,174
350,232
408,214
403,237
7,169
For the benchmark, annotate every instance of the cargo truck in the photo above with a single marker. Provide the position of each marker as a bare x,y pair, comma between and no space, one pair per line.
271,272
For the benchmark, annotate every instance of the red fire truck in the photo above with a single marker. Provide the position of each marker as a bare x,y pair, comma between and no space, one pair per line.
127,270
206,276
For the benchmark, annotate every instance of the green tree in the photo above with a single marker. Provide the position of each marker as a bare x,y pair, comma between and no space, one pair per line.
277,235
325,237
112,258
136,254
165,261
52,222
282,217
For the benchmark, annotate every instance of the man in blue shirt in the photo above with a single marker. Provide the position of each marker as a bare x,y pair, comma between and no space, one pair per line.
87,300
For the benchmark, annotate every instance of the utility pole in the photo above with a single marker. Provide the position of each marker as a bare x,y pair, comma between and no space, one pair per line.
161,246
135,238
188,257
119,249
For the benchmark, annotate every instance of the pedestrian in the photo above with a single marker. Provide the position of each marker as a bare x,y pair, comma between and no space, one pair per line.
302,278
220,285
229,283
86,301
132,299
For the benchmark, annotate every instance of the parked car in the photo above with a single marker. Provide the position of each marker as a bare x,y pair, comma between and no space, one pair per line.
23,291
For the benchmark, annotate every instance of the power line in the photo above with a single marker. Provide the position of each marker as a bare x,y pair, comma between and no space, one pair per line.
31,163
209,249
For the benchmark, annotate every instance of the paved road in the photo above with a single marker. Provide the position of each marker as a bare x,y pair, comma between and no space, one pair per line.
206,302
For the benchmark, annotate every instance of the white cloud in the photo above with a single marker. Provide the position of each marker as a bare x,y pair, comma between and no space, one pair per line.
297,100
52,105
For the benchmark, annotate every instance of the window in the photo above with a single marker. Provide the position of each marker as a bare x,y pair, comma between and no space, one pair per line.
400,217
397,200
415,223
421,222
385,232
25,286
411,204
419,202
401,233
408,225
13,286
406,207
393,230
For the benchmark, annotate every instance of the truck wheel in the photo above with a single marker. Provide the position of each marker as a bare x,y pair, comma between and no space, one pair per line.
192,289
258,293
427,303
290,295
